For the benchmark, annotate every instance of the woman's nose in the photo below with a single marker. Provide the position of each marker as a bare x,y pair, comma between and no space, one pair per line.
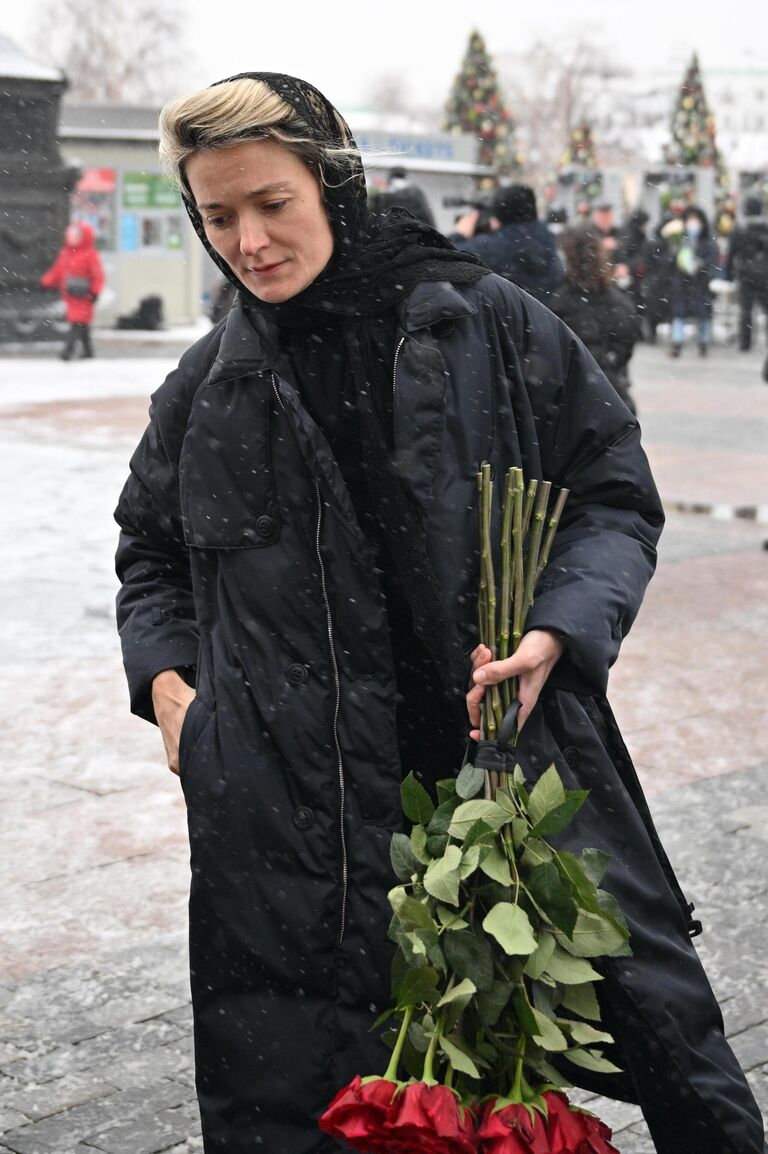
253,237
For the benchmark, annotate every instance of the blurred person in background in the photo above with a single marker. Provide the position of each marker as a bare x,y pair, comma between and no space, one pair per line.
602,223
401,192
694,260
78,275
600,314
520,247
747,265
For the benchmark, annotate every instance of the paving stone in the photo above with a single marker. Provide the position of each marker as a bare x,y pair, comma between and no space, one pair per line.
149,1133
40,1101
97,1117
11,1119
751,1047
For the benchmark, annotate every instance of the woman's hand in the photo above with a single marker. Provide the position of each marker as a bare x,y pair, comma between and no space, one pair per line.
171,697
466,225
537,654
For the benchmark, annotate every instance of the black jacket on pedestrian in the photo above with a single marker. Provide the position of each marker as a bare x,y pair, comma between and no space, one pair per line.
524,252
748,257
243,561
607,323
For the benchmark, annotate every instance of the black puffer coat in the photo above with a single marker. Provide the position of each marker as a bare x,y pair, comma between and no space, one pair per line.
240,555
607,323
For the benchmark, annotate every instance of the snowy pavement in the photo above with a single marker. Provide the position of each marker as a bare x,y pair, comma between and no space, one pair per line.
94,1018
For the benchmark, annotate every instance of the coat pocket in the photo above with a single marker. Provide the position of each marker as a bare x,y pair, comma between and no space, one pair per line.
195,720
227,490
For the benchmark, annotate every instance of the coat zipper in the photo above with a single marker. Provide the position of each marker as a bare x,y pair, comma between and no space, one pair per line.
337,705
337,697
400,344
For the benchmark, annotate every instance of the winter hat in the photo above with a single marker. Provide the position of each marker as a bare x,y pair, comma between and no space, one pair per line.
514,204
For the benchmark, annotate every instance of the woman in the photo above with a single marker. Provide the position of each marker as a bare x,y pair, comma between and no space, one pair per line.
695,262
600,314
79,276
298,538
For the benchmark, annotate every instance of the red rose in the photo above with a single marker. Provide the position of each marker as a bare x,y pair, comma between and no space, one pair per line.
420,1119
360,1114
430,1120
572,1131
512,1130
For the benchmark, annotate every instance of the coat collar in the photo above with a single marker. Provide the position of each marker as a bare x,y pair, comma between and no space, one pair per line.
251,344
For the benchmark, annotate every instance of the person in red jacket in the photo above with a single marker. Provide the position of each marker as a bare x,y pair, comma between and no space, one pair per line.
78,274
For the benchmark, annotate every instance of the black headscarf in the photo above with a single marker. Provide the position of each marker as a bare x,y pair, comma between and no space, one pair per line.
377,261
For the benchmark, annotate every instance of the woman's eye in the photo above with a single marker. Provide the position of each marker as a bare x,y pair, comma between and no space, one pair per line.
216,221
274,205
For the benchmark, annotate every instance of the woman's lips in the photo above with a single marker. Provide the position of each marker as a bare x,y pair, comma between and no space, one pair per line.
267,269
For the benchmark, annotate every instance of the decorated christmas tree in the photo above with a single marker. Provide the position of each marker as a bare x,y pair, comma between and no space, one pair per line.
581,148
476,107
693,125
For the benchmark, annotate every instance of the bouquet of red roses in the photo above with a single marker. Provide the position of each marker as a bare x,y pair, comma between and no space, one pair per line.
493,989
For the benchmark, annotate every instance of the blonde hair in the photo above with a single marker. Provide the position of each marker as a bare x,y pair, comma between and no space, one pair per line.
227,114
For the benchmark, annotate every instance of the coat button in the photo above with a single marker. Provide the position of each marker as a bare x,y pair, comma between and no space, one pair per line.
303,817
296,674
572,756
266,527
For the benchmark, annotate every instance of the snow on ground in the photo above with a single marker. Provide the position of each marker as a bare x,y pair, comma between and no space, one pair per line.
27,381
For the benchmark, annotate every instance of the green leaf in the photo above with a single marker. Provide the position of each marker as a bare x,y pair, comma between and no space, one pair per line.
611,908
547,794
594,936
436,844
582,1000
547,890
479,833
536,852
594,863
477,810
441,818
417,987
470,781
559,817
445,789
419,844
470,859
585,1034
410,912
450,919
503,799
403,859
469,956
496,866
491,1002
520,831
510,926
442,877
570,971
458,1059
526,1019
585,891
537,963
413,949
417,804
418,1037
462,994
591,1060
431,940
549,1035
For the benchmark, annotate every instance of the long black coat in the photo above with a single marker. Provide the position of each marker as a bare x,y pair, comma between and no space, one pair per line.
607,323
241,556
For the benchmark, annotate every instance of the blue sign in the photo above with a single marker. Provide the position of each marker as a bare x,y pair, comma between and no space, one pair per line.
129,232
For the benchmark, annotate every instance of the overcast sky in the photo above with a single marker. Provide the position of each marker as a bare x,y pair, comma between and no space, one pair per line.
342,47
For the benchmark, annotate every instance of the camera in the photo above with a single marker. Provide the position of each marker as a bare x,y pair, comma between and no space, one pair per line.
483,203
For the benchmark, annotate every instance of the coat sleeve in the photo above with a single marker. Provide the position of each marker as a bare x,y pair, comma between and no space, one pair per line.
604,552
52,277
155,605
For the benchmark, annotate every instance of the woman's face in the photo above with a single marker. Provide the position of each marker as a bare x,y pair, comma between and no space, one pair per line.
263,214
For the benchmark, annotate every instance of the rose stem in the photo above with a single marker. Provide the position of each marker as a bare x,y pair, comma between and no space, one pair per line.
506,580
493,709
554,521
394,1061
532,560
